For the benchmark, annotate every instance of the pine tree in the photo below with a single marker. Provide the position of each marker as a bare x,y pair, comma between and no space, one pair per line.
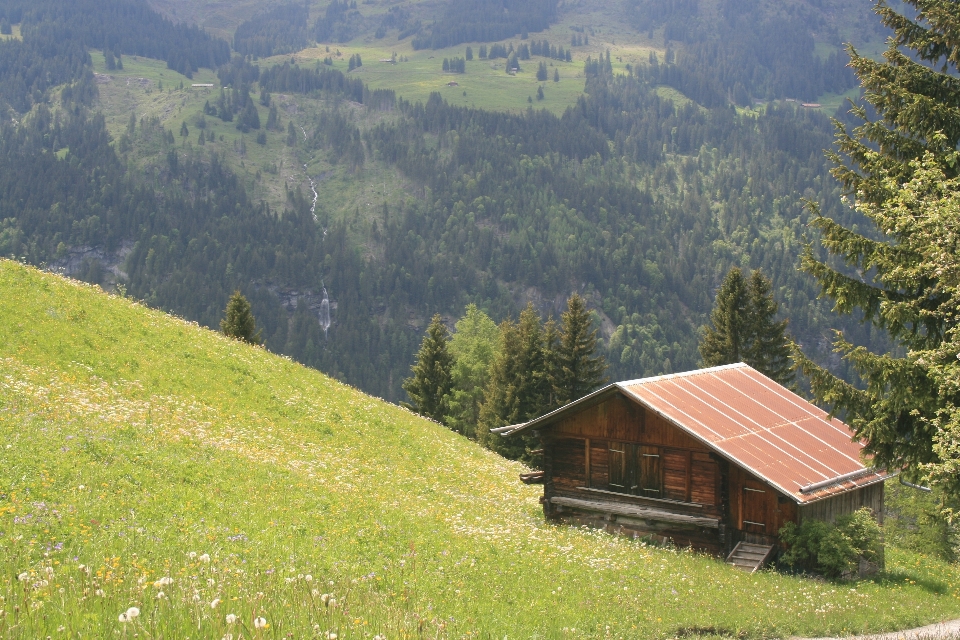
238,321
723,342
745,328
768,351
519,386
914,93
431,381
579,369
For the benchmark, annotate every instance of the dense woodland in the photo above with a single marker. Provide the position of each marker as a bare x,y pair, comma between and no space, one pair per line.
282,29
744,50
486,21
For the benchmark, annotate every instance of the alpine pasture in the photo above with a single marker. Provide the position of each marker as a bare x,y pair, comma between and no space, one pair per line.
160,480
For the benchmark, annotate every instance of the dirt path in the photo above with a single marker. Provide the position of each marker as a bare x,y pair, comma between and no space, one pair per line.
949,630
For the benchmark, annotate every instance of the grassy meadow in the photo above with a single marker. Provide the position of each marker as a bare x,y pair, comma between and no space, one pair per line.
159,480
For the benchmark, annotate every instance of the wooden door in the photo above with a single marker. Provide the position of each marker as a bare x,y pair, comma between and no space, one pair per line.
754,514
650,472
619,467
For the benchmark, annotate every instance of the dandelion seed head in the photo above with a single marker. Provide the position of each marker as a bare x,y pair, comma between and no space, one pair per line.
133,612
231,618
259,623
205,558
23,577
308,578
214,603
161,595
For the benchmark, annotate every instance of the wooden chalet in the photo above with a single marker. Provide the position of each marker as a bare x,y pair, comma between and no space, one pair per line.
711,459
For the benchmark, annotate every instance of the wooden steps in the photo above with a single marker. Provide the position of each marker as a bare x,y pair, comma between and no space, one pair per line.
749,557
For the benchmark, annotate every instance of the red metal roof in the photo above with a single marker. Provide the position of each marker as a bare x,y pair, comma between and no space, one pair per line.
757,424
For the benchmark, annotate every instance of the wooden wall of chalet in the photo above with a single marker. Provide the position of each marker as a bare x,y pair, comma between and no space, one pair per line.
829,509
619,435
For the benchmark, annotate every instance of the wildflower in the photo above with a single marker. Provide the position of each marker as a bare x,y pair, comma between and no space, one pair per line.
49,572
216,601
164,581
325,598
315,592
192,554
259,623
133,612
124,618
205,557
332,602
161,595
231,618
99,592
23,577
308,578
331,635
196,597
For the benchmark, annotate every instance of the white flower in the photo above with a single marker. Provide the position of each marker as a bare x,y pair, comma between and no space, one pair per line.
325,598
133,612
49,572
99,592
332,602
308,578
331,635
161,595
231,618
315,592
81,487
205,557
196,597
23,577
123,618
259,623
192,554
216,601
164,581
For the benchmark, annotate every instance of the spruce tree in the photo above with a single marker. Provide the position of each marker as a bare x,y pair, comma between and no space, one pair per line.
723,342
745,328
238,321
579,369
431,381
914,93
768,350
519,387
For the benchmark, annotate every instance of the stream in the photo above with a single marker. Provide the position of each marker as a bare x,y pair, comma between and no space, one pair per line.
313,185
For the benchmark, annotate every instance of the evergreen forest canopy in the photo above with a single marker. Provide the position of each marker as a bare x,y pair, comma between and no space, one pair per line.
279,30
640,203
741,50
486,21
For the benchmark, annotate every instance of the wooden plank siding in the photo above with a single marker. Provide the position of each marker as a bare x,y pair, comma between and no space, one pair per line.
829,509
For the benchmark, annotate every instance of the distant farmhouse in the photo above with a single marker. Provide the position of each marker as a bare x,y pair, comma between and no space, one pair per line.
718,459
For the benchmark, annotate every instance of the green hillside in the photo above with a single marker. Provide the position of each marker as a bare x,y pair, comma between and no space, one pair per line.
147,462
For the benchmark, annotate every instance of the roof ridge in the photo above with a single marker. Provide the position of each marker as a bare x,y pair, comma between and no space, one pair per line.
682,374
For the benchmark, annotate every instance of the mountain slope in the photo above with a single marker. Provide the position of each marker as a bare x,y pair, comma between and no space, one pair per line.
164,458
